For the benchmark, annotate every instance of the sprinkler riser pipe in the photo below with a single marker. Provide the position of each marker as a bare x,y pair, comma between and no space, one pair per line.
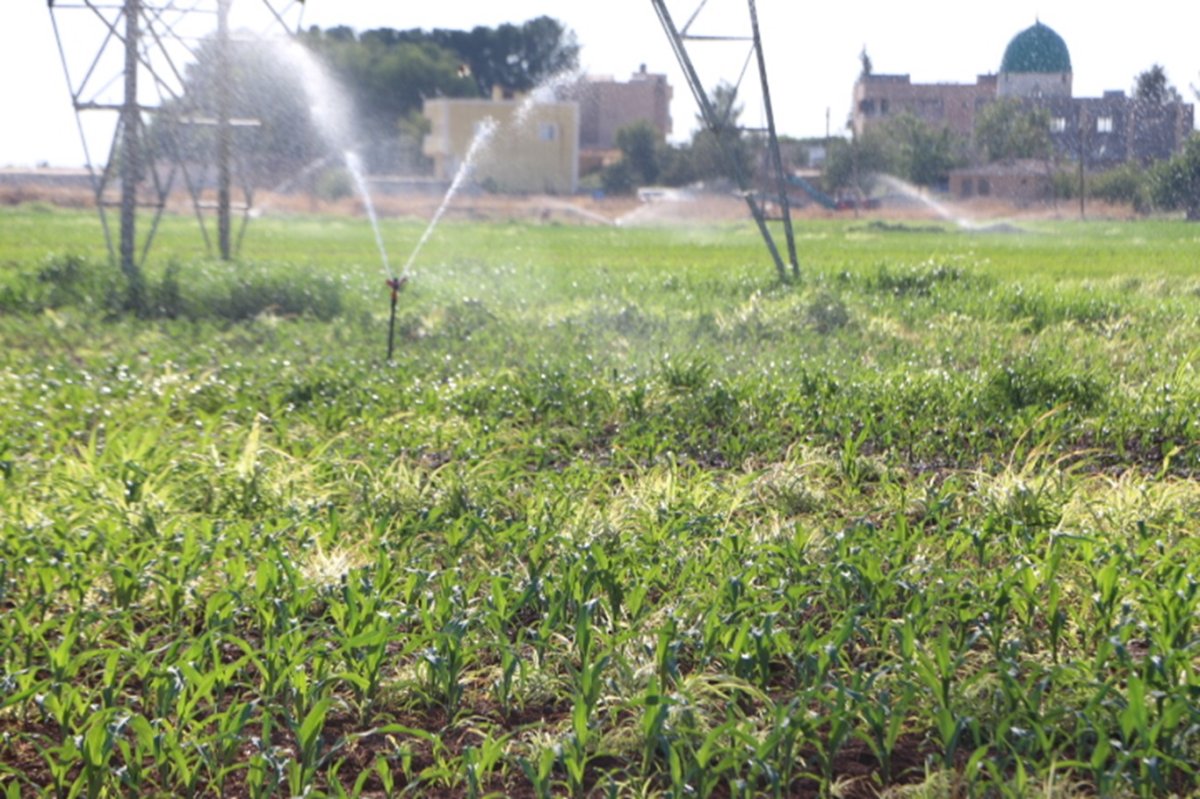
395,284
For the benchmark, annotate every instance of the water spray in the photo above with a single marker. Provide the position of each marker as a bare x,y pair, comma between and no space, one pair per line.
395,284
482,135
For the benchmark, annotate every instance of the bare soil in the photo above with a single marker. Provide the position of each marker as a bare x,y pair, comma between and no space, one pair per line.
589,210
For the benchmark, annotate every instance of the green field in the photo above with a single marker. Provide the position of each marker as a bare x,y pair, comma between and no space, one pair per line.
625,516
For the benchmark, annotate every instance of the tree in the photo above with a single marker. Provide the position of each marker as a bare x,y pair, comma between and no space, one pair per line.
854,163
1128,183
1152,87
262,87
919,153
639,145
1175,184
1007,130
516,58
388,77
721,151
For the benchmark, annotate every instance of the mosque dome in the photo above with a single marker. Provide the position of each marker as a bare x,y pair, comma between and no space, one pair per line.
1037,49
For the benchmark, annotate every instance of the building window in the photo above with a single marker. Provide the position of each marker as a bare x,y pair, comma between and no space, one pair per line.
985,187
1104,124
867,107
1058,125
883,107
967,187
547,131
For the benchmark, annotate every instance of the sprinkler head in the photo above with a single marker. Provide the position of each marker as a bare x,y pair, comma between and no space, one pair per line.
395,284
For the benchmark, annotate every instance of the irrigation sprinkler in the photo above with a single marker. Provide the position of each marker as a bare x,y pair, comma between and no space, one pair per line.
135,70
395,284
717,121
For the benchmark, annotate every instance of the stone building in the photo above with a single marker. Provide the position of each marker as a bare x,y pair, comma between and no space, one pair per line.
1035,70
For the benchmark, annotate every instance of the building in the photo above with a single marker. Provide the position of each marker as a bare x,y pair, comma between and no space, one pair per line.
878,98
1036,71
534,147
1024,182
543,145
607,105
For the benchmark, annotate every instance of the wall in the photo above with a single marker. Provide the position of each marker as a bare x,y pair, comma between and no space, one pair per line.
541,154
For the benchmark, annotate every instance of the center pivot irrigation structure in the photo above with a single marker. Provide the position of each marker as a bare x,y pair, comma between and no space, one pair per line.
717,118
135,70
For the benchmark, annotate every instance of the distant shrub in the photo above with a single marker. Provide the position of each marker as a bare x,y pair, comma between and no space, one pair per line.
257,288
826,313
1040,309
920,280
1125,184
459,320
63,280
196,290
334,184
1034,381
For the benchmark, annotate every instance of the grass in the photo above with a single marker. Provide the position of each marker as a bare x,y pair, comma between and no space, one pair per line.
624,517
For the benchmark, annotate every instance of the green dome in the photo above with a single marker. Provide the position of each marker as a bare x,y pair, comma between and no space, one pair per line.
1036,49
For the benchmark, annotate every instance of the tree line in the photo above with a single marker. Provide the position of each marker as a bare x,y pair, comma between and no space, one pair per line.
382,77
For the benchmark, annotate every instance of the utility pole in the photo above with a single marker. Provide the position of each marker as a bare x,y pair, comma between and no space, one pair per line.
1083,150
131,122
224,132
136,61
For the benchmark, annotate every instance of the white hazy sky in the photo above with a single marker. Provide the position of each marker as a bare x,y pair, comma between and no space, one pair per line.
811,48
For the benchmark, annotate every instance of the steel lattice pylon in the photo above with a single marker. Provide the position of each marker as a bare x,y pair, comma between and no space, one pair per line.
716,120
133,68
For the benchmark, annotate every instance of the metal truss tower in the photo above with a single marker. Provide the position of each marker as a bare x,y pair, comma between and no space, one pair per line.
128,59
717,120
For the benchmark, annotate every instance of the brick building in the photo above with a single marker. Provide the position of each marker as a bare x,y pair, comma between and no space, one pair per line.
607,105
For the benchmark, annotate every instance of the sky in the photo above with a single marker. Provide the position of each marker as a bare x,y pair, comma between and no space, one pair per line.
812,50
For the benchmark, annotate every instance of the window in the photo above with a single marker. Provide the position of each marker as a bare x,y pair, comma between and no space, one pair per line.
1058,124
867,107
985,187
883,107
547,131
967,187
1104,124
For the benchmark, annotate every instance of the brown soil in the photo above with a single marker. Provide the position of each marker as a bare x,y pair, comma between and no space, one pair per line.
420,205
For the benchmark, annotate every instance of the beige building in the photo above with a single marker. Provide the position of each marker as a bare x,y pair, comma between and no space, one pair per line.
534,147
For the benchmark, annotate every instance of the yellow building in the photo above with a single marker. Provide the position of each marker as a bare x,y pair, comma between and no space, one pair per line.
533,149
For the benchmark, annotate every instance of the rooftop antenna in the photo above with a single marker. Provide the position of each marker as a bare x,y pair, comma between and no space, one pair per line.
716,120
134,71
